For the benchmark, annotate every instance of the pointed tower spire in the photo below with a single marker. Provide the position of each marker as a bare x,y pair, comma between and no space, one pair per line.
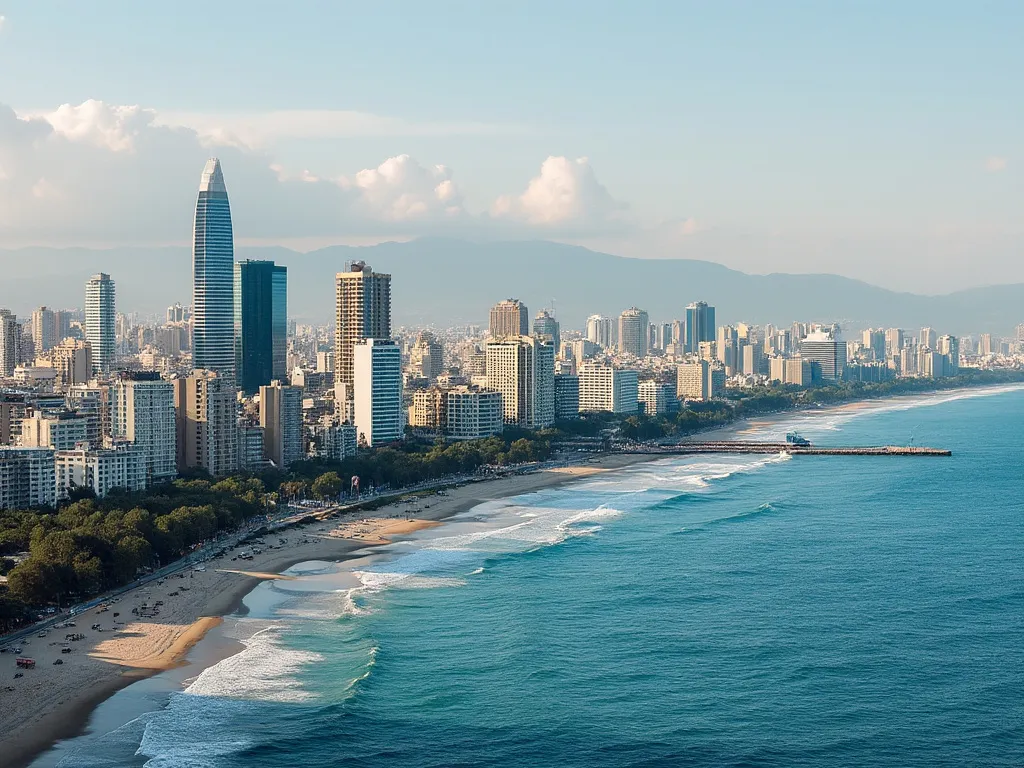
213,256
212,180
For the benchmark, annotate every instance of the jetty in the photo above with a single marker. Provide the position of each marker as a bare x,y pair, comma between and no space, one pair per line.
795,449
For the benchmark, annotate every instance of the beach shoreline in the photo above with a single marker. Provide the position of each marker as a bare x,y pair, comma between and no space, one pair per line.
56,702
747,424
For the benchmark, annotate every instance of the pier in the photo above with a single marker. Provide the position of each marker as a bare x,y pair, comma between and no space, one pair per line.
796,449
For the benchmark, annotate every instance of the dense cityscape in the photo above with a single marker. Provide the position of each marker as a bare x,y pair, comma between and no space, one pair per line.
150,437
96,400
511,385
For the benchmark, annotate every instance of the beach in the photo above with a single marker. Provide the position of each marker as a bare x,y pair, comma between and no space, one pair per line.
53,702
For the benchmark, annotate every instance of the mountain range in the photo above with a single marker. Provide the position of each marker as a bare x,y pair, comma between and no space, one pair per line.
445,282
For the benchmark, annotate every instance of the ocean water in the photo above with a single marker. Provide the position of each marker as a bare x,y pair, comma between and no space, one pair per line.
734,610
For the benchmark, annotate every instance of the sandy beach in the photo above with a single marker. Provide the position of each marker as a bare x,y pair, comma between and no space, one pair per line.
54,701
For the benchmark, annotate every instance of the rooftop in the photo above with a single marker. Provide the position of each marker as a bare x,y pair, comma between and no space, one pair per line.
213,178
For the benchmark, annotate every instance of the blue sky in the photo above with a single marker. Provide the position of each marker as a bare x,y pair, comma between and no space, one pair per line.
878,140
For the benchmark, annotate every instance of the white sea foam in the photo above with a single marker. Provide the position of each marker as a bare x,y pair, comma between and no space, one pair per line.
94,750
370,664
529,530
190,741
265,670
527,527
571,526
426,566
321,606
675,475
375,581
195,728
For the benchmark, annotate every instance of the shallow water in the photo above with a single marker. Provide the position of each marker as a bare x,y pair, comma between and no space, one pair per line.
735,610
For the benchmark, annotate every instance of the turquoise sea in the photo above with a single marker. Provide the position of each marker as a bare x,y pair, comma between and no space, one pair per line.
729,611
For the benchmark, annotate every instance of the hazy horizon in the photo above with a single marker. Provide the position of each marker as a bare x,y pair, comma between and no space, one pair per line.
433,286
304,249
854,141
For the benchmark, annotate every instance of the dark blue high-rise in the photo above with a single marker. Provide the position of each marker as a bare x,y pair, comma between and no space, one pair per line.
261,324
700,325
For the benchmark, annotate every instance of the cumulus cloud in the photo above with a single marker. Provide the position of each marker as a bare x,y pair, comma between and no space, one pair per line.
400,189
566,192
995,164
99,124
96,173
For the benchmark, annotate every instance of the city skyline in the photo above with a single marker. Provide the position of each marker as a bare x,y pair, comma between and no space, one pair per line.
468,297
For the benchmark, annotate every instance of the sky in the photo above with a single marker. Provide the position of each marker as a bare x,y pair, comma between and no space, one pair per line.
879,140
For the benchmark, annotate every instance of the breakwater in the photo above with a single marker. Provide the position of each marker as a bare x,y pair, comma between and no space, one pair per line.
743,446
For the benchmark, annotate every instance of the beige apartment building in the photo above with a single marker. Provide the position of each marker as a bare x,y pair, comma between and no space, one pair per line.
206,416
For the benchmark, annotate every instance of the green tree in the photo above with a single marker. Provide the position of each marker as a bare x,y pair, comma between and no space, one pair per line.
12,613
88,573
133,552
521,451
327,486
293,489
33,582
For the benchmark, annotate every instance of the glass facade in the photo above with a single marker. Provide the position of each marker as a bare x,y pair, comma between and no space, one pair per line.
700,325
213,255
260,324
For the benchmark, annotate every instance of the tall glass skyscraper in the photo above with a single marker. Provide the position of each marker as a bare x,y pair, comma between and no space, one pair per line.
700,325
213,255
99,321
261,324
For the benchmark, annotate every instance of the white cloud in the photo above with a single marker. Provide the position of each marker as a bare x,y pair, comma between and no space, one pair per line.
400,189
284,175
99,124
566,192
3,20
96,173
995,164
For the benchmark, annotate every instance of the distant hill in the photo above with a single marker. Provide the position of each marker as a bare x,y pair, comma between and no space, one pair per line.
442,282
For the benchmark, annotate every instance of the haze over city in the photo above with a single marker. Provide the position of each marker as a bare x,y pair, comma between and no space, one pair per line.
861,140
